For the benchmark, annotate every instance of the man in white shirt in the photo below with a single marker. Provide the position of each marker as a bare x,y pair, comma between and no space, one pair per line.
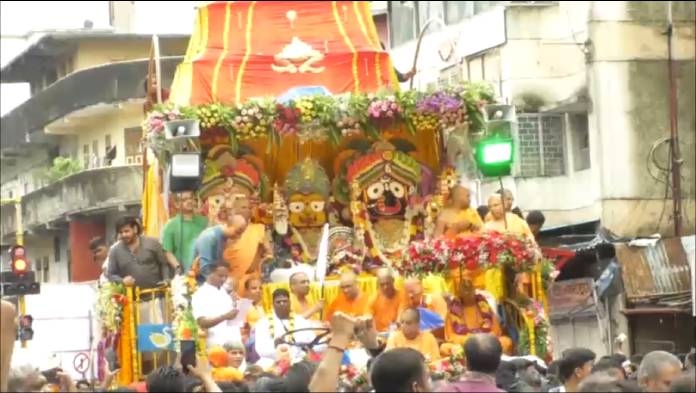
270,329
214,308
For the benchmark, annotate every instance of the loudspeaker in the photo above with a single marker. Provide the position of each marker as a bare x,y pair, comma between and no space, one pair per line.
176,129
185,172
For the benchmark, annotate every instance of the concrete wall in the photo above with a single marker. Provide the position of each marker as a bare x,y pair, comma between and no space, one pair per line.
628,82
113,123
79,193
93,53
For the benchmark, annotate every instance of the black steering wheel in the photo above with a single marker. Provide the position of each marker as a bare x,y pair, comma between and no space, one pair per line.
322,338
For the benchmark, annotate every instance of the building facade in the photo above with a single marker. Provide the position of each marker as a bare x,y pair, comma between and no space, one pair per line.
589,81
72,151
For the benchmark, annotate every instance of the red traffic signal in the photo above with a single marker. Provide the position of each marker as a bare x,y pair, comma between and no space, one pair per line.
19,260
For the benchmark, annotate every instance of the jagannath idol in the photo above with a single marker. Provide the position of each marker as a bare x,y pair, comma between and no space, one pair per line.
302,211
228,175
381,182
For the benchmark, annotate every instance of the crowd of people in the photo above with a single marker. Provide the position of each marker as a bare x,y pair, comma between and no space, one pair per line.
390,370
305,345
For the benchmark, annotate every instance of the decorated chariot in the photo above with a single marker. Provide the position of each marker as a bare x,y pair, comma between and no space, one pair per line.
310,125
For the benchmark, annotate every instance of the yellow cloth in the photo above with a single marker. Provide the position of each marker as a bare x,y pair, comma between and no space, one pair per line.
154,213
424,343
354,308
255,313
472,317
384,310
299,309
515,225
243,253
467,215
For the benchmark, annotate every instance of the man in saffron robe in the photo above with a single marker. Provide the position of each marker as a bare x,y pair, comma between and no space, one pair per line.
410,335
458,218
470,313
505,222
384,306
350,301
302,302
415,298
246,255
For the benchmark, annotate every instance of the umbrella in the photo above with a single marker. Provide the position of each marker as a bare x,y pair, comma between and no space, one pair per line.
430,320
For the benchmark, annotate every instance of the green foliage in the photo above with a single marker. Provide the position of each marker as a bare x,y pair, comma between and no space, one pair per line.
62,167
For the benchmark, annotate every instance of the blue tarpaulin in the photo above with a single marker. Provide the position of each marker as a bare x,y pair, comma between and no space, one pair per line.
302,91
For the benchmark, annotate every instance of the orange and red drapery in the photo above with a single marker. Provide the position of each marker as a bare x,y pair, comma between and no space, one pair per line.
247,49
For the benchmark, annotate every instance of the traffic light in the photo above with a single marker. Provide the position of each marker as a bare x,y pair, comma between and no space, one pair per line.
26,330
21,279
494,156
20,265
494,153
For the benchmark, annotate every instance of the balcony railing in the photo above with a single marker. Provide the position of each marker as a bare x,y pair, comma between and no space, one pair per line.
110,83
82,193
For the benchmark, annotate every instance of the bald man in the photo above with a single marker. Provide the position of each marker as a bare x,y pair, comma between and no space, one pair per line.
505,222
384,305
415,298
458,218
350,301
410,335
301,300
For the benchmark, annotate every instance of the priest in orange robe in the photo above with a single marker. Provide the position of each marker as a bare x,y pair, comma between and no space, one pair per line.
470,313
415,298
350,301
384,306
410,335
302,302
458,218
245,256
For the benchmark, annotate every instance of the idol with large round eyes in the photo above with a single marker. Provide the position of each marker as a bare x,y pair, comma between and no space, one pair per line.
375,190
296,207
317,206
397,189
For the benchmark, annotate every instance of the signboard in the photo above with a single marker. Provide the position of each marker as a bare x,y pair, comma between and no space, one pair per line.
81,362
572,299
155,338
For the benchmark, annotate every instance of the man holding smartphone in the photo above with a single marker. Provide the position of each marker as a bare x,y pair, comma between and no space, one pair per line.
214,309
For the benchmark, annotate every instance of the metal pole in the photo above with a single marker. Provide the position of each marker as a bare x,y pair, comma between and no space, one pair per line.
674,129
420,39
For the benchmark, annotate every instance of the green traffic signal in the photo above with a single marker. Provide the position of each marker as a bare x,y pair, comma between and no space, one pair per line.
494,156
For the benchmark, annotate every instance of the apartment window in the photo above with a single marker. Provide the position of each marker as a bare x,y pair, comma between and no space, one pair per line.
457,11
402,22
428,10
541,145
107,143
132,143
45,269
580,134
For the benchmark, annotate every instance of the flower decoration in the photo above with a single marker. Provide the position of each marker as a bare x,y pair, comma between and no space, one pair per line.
448,369
184,324
112,298
384,111
485,250
320,117
425,257
252,120
352,379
